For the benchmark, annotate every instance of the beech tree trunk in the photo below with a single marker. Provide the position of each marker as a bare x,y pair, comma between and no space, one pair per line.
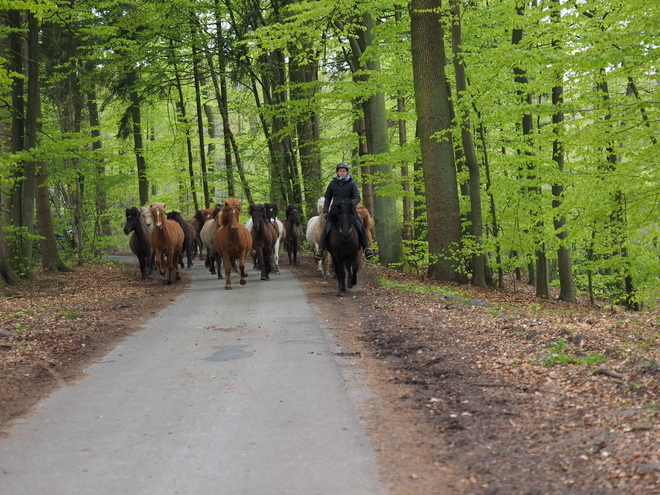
433,114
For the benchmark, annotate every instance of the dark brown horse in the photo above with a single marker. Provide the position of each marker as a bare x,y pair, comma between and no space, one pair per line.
207,234
232,242
189,236
293,231
167,241
264,236
343,244
139,242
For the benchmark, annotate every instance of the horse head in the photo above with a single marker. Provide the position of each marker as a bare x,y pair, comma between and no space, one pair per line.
293,214
229,214
146,217
341,215
258,214
132,217
270,212
158,212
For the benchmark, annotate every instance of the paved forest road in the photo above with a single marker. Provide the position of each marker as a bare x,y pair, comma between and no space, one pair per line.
223,392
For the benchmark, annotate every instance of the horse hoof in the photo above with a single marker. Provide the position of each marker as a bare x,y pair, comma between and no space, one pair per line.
243,282
341,294
227,287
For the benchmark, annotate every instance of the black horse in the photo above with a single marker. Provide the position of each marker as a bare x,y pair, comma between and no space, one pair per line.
343,243
139,242
264,236
294,230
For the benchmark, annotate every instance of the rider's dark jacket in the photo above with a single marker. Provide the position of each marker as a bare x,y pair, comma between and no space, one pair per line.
338,189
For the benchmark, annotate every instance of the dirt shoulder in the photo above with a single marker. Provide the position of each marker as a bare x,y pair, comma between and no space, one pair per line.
472,392
489,392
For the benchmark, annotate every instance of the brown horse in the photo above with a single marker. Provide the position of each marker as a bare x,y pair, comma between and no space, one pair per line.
264,236
232,242
189,236
293,231
167,241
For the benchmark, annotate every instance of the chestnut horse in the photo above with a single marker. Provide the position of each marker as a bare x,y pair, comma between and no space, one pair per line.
232,242
293,230
139,242
167,241
264,236
189,236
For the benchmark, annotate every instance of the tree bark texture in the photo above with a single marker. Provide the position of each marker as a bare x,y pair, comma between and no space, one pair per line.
432,103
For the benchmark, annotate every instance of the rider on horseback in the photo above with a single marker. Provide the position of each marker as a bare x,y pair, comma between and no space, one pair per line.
343,187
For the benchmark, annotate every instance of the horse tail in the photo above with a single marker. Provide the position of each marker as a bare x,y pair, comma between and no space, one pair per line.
234,266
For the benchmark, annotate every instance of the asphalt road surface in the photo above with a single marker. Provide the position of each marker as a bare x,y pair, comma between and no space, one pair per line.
223,392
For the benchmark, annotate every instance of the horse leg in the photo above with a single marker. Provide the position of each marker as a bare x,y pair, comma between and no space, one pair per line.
352,272
241,266
276,257
176,268
339,273
265,263
227,262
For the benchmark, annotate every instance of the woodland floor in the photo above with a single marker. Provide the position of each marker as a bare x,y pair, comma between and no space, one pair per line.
472,391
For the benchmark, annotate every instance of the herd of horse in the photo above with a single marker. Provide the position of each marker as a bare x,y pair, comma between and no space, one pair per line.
164,240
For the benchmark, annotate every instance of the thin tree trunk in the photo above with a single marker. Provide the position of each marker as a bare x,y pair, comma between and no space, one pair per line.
539,278
566,285
476,219
101,197
200,127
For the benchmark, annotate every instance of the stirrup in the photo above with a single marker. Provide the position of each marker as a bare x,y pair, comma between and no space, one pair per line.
319,254
368,253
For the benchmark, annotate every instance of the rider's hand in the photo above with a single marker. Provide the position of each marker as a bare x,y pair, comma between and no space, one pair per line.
325,216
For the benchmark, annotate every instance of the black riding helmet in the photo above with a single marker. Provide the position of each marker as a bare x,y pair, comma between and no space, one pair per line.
342,165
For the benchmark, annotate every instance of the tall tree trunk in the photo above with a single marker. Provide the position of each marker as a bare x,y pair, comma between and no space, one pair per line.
432,103
7,274
138,140
14,202
28,186
101,197
540,268
183,119
385,212
200,125
212,129
303,90
566,285
476,218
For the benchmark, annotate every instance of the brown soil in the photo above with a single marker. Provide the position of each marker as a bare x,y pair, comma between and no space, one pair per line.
465,396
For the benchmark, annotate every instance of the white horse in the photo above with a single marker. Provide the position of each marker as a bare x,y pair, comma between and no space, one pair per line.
315,228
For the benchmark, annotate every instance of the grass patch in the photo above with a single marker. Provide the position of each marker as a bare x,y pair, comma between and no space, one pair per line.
560,354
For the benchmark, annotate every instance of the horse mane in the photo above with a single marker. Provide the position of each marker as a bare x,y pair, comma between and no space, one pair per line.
230,204
365,216
339,207
319,205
